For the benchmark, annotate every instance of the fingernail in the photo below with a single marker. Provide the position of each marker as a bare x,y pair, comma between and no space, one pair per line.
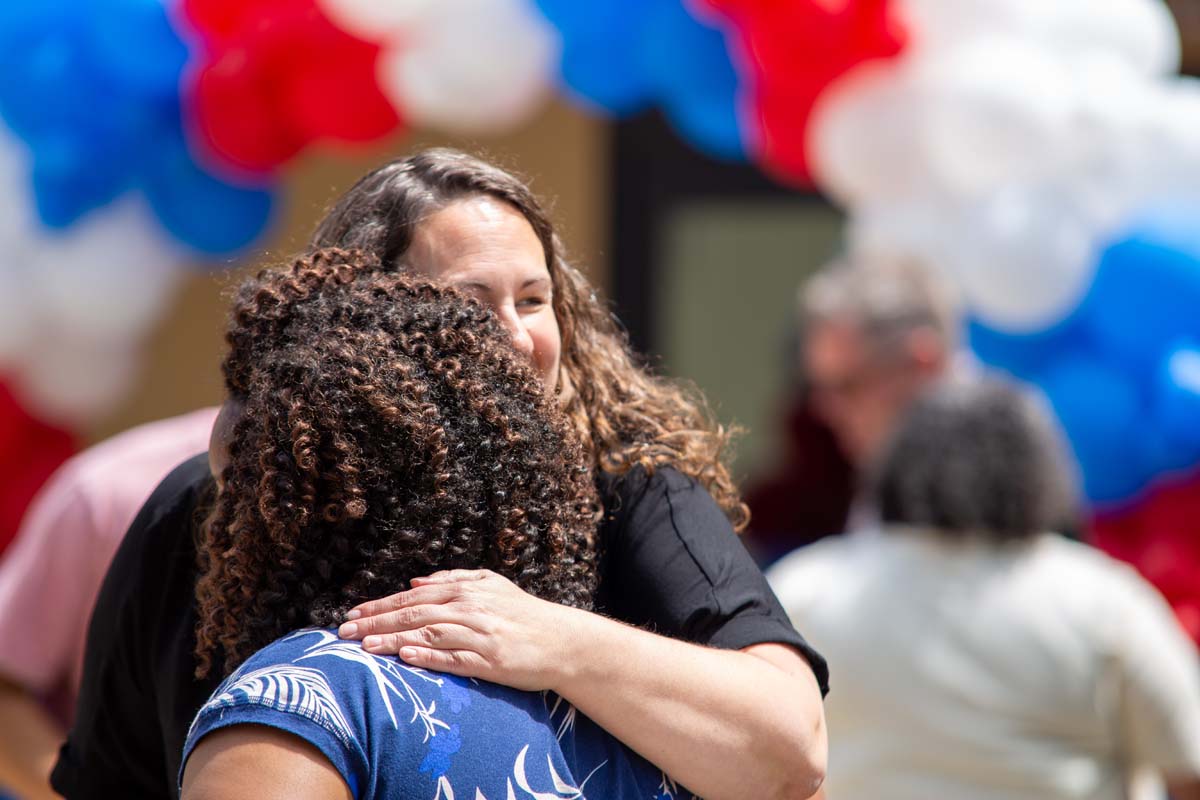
408,653
348,630
355,614
371,642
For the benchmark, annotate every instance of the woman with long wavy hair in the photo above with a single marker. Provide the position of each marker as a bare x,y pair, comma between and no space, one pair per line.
708,679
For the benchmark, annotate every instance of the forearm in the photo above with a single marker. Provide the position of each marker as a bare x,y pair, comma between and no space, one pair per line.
726,724
29,742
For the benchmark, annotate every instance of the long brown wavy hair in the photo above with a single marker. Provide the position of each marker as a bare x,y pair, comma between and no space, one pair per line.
625,415
384,430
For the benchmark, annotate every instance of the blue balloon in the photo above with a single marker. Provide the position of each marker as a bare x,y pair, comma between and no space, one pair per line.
207,214
1146,293
1023,355
93,91
1177,407
134,43
695,79
625,56
1101,410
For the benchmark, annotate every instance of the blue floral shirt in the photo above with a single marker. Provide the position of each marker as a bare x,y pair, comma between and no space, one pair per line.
396,732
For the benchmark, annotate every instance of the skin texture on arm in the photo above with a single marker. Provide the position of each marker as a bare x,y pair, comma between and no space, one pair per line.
694,711
256,762
29,742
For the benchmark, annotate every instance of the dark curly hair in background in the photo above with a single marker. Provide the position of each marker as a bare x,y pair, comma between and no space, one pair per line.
386,431
976,457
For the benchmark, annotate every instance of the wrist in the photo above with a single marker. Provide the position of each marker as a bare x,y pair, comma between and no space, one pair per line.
580,642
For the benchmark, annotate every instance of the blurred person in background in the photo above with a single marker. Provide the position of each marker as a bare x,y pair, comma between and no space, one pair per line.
51,575
724,695
873,333
978,654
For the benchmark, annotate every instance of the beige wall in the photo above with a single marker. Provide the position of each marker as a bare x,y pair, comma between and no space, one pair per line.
563,153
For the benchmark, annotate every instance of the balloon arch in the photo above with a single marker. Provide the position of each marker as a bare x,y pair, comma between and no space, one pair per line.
1043,155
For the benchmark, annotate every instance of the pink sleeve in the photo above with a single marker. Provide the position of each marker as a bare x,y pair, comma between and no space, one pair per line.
48,582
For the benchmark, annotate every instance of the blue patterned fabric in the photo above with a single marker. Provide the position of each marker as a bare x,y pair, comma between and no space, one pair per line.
396,732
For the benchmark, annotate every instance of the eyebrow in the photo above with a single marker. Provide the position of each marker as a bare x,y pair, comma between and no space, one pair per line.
541,280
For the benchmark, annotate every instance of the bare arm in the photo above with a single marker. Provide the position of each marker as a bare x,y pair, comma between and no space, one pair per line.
256,762
29,742
725,724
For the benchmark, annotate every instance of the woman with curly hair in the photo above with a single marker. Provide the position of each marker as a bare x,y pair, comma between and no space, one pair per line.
708,679
380,429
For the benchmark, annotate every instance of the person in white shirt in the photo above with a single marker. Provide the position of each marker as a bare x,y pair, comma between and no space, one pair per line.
977,655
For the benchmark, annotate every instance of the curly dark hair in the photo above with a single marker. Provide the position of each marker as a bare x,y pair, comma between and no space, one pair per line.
385,430
975,457
625,415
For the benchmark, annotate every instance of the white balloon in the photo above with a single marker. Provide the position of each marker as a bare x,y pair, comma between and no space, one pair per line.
1142,33
939,24
991,111
471,66
374,20
73,382
108,276
1020,259
1024,258
75,303
863,139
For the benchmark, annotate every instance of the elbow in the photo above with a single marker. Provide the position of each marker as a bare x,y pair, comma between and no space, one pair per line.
803,782
806,764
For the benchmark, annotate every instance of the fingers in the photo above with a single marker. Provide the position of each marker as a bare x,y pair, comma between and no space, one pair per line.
457,662
404,619
438,636
453,576
420,595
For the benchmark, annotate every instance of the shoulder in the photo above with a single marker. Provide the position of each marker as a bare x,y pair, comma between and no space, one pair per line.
643,499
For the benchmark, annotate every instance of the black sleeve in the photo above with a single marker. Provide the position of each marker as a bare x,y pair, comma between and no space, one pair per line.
673,564
116,745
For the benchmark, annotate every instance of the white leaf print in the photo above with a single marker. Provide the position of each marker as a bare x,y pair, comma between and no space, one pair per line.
391,677
523,781
444,790
295,690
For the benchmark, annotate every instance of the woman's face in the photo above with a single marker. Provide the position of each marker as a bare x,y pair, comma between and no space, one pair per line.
487,249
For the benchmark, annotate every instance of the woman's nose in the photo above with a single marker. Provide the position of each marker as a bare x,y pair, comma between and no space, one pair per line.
521,339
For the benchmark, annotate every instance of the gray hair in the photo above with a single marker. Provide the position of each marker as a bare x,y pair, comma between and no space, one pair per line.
886,298
976,457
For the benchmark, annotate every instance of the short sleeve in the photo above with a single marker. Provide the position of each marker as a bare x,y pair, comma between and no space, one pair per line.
115,747
348,761
48,568
1160,697
673,564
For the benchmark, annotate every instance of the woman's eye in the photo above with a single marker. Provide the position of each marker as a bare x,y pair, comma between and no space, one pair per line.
534,302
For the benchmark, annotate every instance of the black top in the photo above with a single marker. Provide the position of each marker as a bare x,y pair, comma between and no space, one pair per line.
670,564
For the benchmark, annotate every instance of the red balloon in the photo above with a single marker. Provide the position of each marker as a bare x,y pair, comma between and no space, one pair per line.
1161,538
277,76
30,450
792,51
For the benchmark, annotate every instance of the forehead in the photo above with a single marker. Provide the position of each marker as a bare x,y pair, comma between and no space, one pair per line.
477,239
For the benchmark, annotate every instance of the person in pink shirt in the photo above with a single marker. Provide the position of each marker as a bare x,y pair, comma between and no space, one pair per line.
51,574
